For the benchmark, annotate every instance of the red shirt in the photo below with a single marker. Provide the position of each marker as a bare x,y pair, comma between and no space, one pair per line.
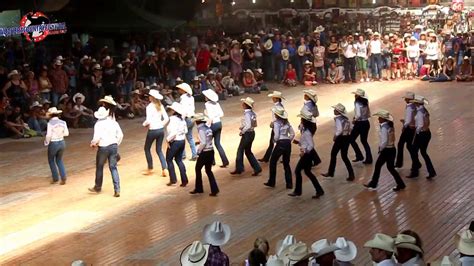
291,74
203,59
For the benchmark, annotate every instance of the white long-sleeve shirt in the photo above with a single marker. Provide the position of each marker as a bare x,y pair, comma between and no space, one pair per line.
56,131
422,119
387,136
176,129
342,126
187,103
107,132
214,112
415,261
306,141
410,112
282,131
155,119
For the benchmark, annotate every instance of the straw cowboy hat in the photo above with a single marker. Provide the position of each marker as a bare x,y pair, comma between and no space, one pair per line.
58,63
155,94
307,116
248,101
195,254
127,61
381,241
384,114
444,262
200,117
119,66
53,111
274,261
419,99
296,253
412,38
216,234
409,95
465,58
84,58
323,247
185,87
97,67
35,104
108,99
465,242
301,50
247,41
347,250
361,93
418,27
311,94
284,244
248,71
211,95
13,72
276,94
407,242
59,57
259,71
319,29
307,62
341,109
78,95
280,112
376,34
135,92
268,44
176,107
101,113
172,50
64,96
285,54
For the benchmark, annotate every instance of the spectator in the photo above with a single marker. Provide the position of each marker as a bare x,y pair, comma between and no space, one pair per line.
309,77
71,72
290,76
59,81
297,255
16,90
381,249
37,120
195,254
71,115
236,60
334,76
346,253
216,235
465,245
249,82
408,250
319,54
465,71
32,86
87,115
138,105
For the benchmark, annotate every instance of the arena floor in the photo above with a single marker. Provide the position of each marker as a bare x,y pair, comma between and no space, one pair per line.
151,223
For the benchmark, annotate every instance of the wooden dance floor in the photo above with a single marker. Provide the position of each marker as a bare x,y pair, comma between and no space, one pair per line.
43,224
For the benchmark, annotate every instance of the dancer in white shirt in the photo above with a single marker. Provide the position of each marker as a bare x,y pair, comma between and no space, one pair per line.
57,130
177,130
187,104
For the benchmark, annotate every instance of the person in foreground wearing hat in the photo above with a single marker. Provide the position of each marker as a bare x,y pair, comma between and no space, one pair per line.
408,252
465,245
216,235
56,131
342,141
324,252
283,136
214,113
247,133
346,252
381,250
361,126
205,152
310,106
422,138
156,120
387,152
408,129
107,137
283,244
177,129
187,104
307,129
195,254
258,255
297,255
277,98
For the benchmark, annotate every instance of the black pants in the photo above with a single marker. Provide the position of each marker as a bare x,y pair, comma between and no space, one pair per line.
407,137
315,156
245,146
205,159
420,144
341,143
387,156
349,68
361,128
271,145
305,164
282,148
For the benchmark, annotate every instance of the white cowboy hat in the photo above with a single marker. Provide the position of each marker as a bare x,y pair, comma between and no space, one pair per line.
101,113
53,111
319,29
407,242
211,95
296,253
196,78
409,95
64,96
418,27
185,87
307,116
301,50
361,93
465,242
133,51
97,67
323,247
274,261
108,99
381,241
247,41
59,57
285,54
119,66
35,104
406,35
127,60
135,92
284,244
248,101
178,79
58,63
268,44
216,234
177,107
280,112
172,50
465,58
276,94
199,117
347,250
341,109
311,94
248,71
384,114
155,94
195,254
107,58
376,34
45,101
259,70
412,38
307,62
84,58
78,95
13,72
419,99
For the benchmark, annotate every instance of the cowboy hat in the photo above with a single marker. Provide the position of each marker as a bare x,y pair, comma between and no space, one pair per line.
119,66
64,96
155,94
45,101
407,242
376,34
280,112
127,61
285,54
13,72
135,92
444,262
301,50
419,99
248,71
248,101
341,109
247,41
172,50
274,261
384,114
84,58
195,254
53,111
59,57
185,87
108,99
311,94
409,95
323,247
465,242
361,93
199,117
466,58
101,113
177,107
319,29
412,38
307,116
211,95
423,33
97,67
259,71
381,241
296,253
107,58
58,63
78,95
268,44
35,104
307,62
284,244
216,234
347,250
406,35
418,27
276,94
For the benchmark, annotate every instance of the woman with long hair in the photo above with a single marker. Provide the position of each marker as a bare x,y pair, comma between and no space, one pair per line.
57,130
361,126
156,119
177,130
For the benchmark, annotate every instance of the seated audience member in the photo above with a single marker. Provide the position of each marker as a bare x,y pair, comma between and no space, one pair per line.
249,83
138,106
168,98
32,85
260,80
229,84
216,234
124,109
334,76
71,115
448,72
465,71
223,93
62,101
87,115
290,76
196,87
14,124
45,85
259,254
37,120
408,251
309,76
346,252
465,245
381,250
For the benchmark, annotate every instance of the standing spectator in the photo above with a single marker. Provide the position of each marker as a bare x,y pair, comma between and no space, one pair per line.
149,68
45,85
32,86
248,55
189,67
59,80
224,56
216,235
350,52
236,61
361,58
375,53
203,59
109,77
72,74
129,77
319,57
173,66
408,250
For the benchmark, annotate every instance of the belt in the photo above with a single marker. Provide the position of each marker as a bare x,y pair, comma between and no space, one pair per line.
57,140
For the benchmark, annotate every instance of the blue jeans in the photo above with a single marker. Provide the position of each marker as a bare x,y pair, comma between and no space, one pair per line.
190,139
37,125
55,159
245,146
152,135
46,96
150,80
216,133
127,89
377,65
55,98
282,69
103,154
175,151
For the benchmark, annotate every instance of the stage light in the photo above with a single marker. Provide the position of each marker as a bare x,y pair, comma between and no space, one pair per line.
233,3
254,1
